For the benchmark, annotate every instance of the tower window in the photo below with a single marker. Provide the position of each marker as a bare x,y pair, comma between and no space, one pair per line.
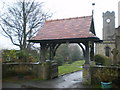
107,51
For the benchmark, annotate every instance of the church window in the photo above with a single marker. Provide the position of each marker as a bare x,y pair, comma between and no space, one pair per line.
107,51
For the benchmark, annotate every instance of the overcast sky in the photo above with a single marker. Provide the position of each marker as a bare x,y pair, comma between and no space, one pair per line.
75,8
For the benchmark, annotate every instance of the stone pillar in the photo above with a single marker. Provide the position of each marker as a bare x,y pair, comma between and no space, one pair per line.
42,71
46,70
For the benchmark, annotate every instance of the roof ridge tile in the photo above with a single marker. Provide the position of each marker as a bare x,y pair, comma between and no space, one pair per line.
67,18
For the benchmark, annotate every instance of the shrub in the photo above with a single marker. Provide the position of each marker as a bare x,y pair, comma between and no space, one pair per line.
9,55
105,74
18,56
24,56
59,60
104,60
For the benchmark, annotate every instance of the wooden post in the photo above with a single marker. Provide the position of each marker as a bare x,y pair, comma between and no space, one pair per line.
42,55
86,68
87,53
92,50
51,52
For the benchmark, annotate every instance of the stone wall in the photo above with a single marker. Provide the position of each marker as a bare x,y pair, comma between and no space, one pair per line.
100,47
118,43
91,76
95,80
44,71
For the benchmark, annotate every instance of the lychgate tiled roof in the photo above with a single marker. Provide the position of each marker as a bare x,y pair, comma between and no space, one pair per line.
78,27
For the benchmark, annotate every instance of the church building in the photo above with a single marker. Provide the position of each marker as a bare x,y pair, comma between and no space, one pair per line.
108,44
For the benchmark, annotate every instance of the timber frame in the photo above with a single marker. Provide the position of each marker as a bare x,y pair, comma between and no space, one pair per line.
52,45
71,30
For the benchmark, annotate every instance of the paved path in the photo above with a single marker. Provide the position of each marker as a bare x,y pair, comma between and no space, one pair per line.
73,80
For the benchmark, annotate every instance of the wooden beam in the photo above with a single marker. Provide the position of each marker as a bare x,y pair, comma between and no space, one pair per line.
82,49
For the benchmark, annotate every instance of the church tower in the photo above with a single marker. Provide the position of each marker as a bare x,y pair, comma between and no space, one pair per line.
108,25
108,44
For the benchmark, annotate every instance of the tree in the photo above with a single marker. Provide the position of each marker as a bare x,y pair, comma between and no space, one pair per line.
75,52
68,53
21,21
62,54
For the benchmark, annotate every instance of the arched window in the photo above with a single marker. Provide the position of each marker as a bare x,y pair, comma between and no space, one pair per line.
107,51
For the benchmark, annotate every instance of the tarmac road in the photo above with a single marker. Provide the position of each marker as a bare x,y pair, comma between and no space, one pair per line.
72,80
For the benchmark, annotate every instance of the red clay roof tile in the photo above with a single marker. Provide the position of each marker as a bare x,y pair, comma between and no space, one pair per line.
78,27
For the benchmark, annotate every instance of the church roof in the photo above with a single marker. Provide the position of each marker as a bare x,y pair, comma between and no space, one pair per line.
70,28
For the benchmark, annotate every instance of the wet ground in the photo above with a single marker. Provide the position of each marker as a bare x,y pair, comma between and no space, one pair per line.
73,80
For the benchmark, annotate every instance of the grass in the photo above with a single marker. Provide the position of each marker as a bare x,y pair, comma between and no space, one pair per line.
68,68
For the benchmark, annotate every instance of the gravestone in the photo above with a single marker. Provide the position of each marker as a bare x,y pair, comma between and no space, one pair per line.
115,53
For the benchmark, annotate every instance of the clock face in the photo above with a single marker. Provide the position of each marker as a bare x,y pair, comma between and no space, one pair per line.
108,20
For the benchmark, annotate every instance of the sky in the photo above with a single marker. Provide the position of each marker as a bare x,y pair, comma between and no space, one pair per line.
73,8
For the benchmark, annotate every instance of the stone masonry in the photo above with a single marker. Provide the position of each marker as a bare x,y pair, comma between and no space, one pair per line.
108,44
118,43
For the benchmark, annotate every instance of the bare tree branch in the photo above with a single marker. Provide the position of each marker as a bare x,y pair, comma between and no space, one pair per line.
22,20
9,36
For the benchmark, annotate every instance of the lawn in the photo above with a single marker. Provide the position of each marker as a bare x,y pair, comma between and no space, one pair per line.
68,68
